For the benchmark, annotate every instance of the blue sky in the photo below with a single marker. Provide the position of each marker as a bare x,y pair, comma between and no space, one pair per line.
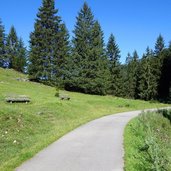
135,23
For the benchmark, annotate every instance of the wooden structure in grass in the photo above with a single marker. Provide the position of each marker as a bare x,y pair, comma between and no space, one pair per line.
18,99
64,97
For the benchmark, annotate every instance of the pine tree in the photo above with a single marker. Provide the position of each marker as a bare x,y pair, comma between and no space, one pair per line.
159,46
21,56
82,44
132,75
62,57
158,61
113,54
2,45
89,65
165,78
44,42
97,69
11,48
148,84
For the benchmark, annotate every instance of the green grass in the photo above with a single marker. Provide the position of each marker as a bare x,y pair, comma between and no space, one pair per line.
148,143
25,129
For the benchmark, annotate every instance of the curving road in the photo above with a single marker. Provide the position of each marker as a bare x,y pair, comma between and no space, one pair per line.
96,146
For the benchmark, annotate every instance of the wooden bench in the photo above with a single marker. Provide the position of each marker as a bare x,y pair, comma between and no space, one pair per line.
18,99
64,97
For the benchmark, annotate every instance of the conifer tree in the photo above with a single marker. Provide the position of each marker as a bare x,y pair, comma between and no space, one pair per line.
159,45
132,75
21,56
148,84
98,73
165,78
158,61
82,43
89,66
2,45
62,57
113,54
11,48
44,42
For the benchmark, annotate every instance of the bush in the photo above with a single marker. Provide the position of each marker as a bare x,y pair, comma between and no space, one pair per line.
57,92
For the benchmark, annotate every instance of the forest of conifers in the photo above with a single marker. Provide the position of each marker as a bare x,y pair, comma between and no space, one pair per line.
84,63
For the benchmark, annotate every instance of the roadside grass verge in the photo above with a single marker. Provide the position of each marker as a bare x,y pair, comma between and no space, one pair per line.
25,129
147,142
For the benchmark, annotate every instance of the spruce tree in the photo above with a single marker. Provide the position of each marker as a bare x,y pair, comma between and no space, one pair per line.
82,44
148,84
44,42
159,45
11,48
113,54
21,56
132,75
97,74
2,45
158,61
62,57
89,64
165,78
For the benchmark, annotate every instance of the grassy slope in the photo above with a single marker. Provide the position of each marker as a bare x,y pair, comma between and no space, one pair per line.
148,143
27,128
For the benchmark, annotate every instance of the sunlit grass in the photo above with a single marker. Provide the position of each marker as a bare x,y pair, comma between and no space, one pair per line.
147,142
25,129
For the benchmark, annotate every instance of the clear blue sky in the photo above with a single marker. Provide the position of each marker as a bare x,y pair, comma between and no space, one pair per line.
135,23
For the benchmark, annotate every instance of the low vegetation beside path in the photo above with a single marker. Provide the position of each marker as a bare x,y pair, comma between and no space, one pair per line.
148,142
25,129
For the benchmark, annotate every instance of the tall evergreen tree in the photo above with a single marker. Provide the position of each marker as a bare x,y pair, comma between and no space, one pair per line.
148,84
97,71
165,78
11,48
113,54
62,57
89,63
159,46
132,75
21,56
2,45
44,43
82,42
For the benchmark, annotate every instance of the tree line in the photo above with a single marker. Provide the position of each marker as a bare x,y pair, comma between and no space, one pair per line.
84,63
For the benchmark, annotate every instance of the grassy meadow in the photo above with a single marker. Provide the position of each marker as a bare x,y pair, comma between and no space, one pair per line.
148,142
25,129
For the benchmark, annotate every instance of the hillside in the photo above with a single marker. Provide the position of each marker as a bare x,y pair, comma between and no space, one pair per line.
27,128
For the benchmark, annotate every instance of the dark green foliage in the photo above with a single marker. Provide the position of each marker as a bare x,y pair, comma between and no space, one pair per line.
57,92
166,113
2,45
148,84
132,79
11,48
44,43
62,56
20,62
82,43
113,54
165,79
159,46
89,72
16,53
